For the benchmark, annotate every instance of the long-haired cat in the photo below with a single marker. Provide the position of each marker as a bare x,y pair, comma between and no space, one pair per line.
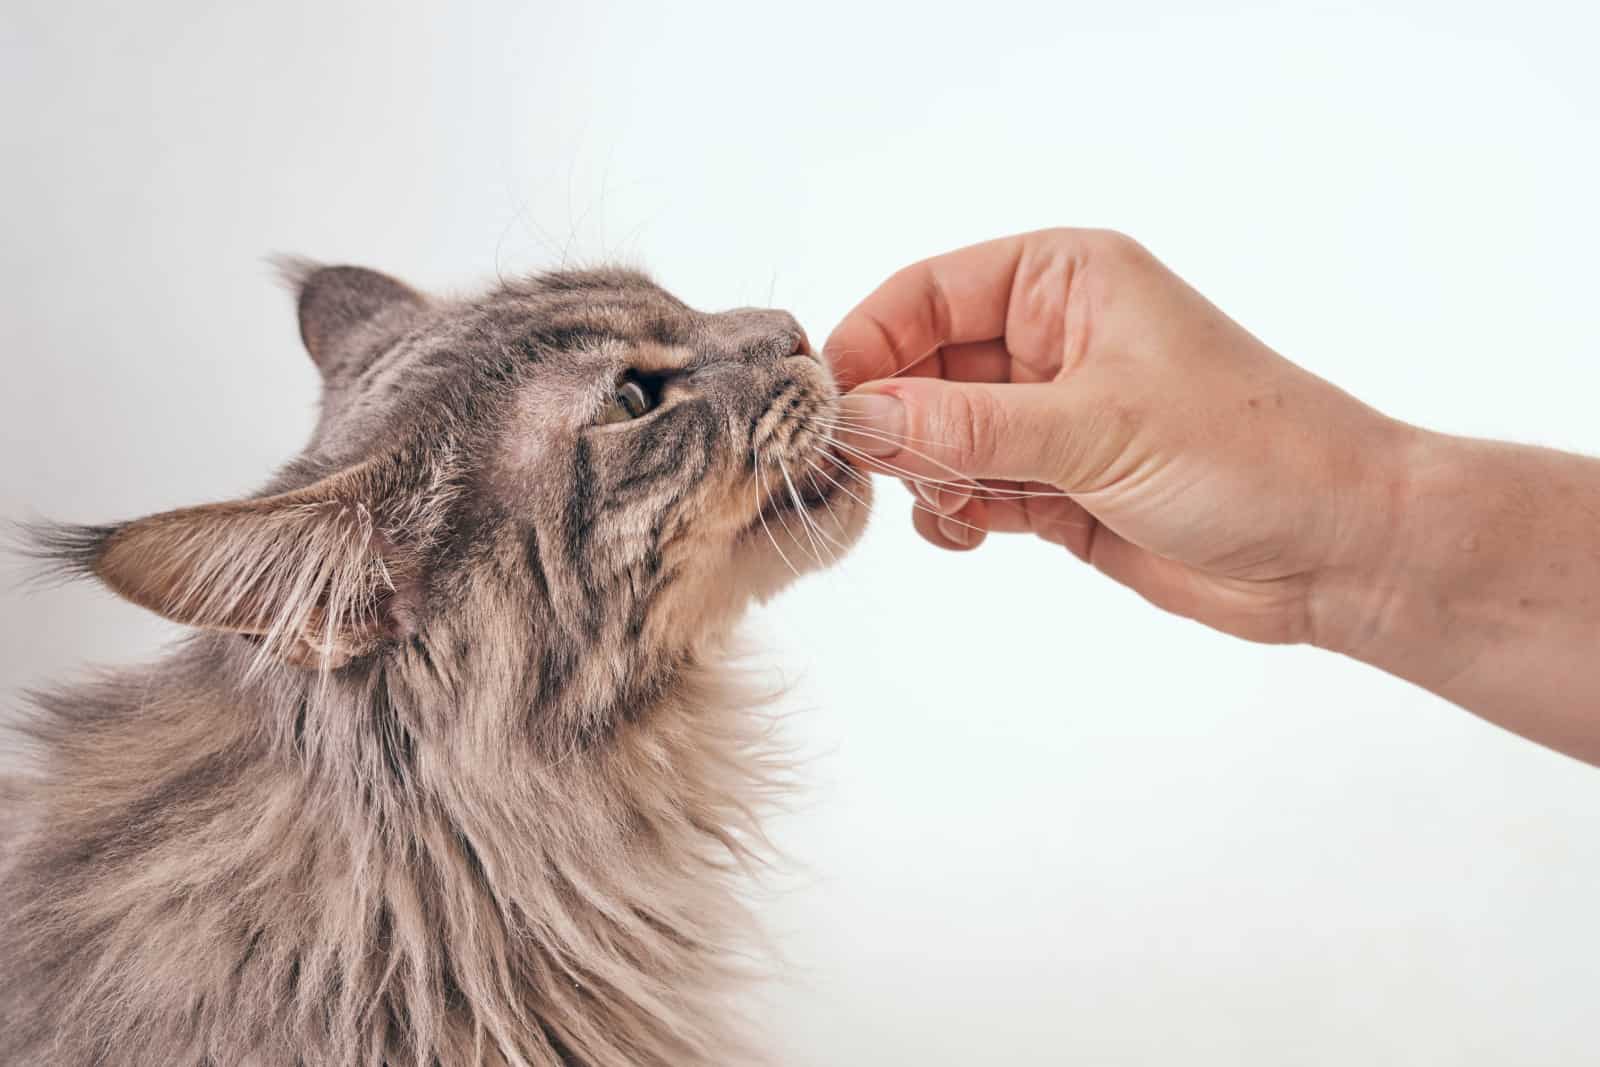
452,770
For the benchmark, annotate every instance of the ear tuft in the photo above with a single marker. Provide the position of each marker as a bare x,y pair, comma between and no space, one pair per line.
293,271
64,551
345,311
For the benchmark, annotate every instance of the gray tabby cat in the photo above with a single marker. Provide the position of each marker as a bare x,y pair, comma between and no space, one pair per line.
453,770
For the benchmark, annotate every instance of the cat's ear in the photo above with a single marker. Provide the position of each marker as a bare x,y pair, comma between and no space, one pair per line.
346,312
309,574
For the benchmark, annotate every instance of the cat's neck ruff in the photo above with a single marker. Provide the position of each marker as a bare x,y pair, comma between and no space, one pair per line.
393,874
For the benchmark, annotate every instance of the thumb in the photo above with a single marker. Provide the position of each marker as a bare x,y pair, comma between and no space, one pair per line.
932,428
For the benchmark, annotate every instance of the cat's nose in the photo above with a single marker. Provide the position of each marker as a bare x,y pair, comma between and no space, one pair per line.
765,334
789,338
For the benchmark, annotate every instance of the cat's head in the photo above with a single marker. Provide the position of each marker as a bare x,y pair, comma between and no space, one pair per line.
576,474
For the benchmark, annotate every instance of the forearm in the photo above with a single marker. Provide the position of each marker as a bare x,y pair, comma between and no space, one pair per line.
1486,589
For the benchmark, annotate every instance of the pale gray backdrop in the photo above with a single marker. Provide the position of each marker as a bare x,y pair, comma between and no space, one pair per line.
1047,825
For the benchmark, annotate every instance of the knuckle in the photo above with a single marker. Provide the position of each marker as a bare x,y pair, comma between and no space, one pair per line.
972,424
1116,246
936,313
1104,244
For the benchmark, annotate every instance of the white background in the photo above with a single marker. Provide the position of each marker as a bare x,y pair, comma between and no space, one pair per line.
1047,824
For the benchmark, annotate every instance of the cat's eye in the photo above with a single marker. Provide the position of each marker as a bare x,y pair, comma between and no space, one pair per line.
631,400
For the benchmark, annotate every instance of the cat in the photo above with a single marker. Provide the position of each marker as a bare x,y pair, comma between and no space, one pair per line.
453,768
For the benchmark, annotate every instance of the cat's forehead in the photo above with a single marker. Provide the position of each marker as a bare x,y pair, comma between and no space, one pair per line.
569,310
626,301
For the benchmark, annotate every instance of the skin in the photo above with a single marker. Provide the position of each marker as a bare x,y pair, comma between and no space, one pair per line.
1190,462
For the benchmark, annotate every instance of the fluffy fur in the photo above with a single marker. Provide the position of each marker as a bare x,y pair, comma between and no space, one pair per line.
452,770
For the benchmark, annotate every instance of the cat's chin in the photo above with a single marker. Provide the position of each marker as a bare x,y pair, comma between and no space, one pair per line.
796,534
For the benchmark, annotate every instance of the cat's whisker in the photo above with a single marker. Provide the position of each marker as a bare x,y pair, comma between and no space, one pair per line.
839,548
816,469
970,488
761,513
799,508
1037,524
981,492
902,370
836,548
857,424
899,442
806,522
918,505
783,517
858,475
842,488
961,483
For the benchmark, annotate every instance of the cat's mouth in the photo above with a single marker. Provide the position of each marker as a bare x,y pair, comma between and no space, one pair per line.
815,486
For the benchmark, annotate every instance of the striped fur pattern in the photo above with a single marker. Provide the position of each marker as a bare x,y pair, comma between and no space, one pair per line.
454,768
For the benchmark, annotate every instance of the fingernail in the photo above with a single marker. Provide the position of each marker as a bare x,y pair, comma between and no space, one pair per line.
929,495
955,531
880,418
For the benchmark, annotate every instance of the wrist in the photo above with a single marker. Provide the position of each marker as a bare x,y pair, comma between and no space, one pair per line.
1362,599
1480,547
1487,592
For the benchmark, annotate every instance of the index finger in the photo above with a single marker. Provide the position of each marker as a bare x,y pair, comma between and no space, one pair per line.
960,297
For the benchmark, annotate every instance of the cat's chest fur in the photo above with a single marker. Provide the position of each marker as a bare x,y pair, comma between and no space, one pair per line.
356,889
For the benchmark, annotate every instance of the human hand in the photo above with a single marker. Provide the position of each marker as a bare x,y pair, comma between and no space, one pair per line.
1066,383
